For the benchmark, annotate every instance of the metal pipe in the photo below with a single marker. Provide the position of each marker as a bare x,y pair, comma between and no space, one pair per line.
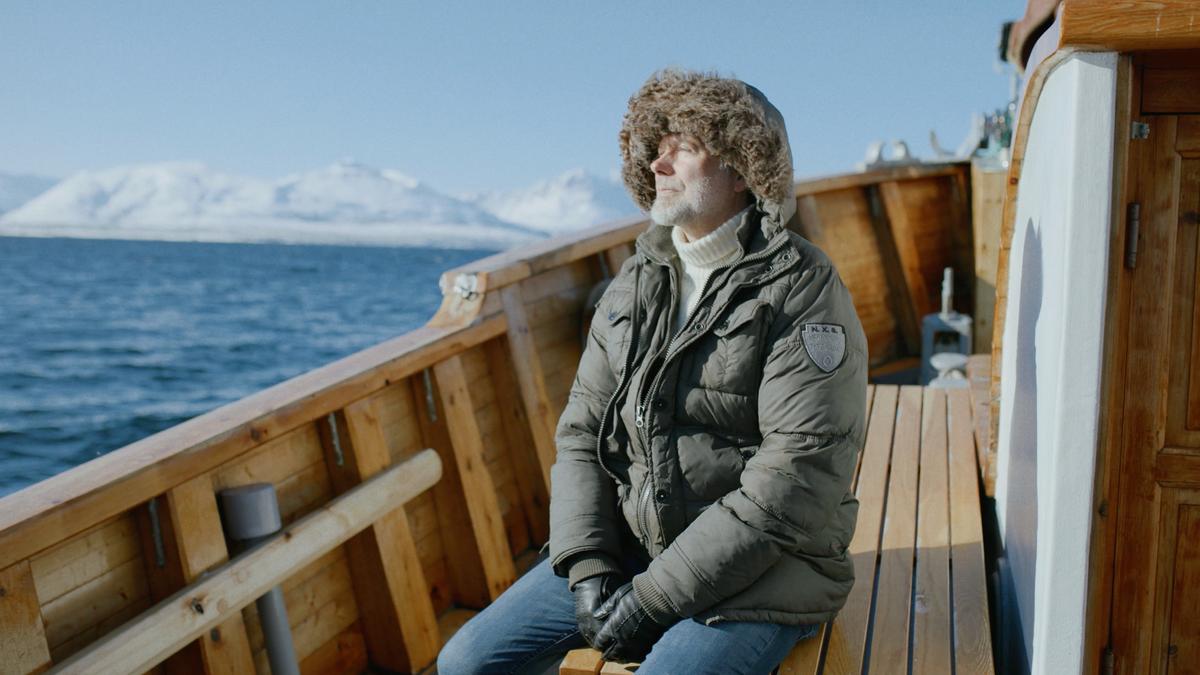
252,515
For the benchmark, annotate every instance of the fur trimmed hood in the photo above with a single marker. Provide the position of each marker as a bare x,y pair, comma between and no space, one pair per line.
734,120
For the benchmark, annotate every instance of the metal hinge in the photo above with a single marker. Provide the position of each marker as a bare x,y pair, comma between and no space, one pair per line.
1107,666
1140,131
1133,224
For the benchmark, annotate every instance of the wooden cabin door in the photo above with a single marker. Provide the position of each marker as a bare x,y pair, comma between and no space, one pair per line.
1155,620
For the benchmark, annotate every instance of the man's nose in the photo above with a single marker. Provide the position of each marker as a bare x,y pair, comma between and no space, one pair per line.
661,166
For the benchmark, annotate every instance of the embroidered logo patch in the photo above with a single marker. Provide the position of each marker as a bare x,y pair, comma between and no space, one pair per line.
825,344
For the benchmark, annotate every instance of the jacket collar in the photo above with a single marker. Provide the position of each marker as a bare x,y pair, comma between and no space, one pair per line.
756,231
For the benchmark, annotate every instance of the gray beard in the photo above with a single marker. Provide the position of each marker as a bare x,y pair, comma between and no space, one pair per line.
685,207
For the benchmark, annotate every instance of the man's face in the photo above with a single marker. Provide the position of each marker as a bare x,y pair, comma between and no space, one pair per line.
692,188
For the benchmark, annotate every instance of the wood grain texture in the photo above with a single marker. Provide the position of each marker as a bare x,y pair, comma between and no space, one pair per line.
468,583
84,557
894,590
22,634
844,225
478,489
972,635
932,636
1183,395
1130,25
1183,640
388,579
179,619
304,592
194,543
584,661
530,379
1171,90
535,497
80,609
987,211
343,655
1144,415
979,372
861,179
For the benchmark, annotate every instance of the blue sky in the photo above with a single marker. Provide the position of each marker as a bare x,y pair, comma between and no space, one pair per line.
469,96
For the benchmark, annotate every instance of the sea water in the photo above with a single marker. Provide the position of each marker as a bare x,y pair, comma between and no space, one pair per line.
103,343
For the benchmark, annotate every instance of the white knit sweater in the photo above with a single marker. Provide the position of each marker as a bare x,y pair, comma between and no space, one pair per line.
700,258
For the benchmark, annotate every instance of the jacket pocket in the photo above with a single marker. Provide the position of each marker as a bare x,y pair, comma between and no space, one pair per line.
613,317
711,466
739,337
739,316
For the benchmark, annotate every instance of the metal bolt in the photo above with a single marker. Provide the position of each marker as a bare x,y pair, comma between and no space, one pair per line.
215,635
3,592
197,606
1172,650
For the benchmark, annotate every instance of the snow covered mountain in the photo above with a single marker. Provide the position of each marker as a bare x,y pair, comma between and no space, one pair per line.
571,201
343,203
346,202
16,189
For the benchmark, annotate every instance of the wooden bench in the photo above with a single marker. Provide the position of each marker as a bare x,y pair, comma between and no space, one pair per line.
920,598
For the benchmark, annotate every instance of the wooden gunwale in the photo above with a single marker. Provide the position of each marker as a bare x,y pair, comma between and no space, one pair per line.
37,517
177,620
1130,25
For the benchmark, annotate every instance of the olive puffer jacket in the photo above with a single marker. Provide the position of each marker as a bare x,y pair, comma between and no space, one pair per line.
726,449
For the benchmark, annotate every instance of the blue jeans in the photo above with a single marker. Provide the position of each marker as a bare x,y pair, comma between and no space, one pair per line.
533,623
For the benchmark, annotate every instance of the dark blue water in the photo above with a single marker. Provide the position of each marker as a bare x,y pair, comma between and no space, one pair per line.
103,343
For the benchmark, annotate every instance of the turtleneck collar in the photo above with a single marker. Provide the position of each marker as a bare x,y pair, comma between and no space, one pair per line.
715,249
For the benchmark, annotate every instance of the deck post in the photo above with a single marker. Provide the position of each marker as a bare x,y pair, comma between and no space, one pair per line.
482,501
468,584
389,582
191,540
530,377
22,633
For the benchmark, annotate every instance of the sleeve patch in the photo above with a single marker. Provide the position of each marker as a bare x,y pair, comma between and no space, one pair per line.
825,344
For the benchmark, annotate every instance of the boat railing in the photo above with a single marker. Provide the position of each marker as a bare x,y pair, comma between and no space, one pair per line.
174,622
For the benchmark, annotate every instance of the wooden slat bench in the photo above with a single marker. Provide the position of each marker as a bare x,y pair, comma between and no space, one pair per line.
920,599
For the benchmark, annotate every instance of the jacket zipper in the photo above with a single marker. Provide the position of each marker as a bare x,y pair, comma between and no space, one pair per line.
670,349
640,419
625,377
643,520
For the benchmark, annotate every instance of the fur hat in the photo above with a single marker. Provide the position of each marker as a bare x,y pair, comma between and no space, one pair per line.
733,120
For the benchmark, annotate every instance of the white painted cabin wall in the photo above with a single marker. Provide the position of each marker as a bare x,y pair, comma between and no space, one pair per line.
1050,369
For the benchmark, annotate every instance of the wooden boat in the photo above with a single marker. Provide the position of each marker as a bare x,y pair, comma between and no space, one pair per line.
115,540
412,476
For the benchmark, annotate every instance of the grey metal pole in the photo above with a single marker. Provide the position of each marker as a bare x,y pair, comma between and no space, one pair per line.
251,515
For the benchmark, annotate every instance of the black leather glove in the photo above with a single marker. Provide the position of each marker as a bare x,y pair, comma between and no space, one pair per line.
628,632
590,594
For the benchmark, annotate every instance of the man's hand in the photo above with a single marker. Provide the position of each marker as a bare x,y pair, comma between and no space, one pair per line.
628,632
590,594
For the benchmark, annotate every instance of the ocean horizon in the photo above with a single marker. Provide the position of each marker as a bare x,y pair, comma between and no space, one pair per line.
104,342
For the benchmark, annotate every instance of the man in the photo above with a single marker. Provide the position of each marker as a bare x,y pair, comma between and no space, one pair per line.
700,502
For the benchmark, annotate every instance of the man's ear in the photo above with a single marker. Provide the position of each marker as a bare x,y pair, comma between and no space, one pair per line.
739,184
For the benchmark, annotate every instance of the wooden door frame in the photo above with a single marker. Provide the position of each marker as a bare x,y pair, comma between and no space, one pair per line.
1102,554
1128,162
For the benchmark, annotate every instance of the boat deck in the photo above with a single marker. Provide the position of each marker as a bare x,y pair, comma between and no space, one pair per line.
920,604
